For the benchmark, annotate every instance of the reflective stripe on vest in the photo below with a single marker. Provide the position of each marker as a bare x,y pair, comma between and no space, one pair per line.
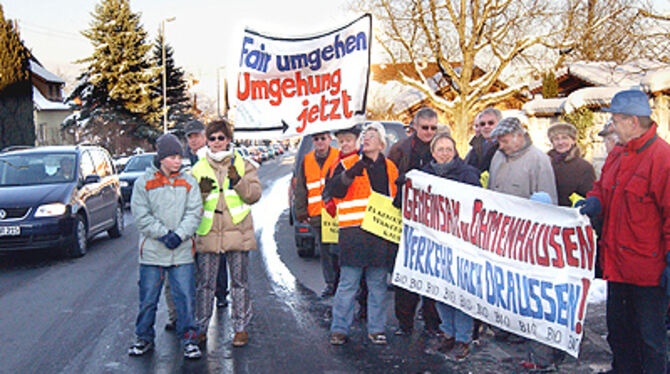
351,208
236,207
315,179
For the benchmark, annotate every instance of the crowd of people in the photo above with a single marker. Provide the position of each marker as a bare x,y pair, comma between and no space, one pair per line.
208,225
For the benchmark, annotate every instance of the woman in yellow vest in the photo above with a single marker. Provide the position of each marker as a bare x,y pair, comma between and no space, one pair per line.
229,185
354,179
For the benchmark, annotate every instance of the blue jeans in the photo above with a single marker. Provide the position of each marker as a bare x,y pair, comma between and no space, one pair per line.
345,297
455,324
182,287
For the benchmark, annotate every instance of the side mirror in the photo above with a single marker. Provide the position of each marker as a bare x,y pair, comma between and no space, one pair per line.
92,179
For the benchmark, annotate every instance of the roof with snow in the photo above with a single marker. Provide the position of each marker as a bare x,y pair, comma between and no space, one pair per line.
592,97
39,70
41,102
656,81
540,106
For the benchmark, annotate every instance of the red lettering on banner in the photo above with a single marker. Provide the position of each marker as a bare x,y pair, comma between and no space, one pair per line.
569,247
558,261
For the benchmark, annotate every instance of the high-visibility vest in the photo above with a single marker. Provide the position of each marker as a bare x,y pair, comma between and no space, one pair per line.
315,179
351,208
237,208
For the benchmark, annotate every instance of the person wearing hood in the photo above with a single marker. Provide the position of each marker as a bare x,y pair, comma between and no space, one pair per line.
518,167
456,326
229,185
166,205
573,173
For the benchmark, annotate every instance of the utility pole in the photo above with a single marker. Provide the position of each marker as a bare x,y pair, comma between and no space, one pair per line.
165,113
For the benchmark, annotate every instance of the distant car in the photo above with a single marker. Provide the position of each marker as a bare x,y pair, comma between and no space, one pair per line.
135,167
58,197
303,233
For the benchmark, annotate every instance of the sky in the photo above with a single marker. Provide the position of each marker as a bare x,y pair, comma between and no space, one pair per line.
205,35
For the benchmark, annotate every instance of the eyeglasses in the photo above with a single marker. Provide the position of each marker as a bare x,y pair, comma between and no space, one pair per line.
319,138
215,138
431,128
483,123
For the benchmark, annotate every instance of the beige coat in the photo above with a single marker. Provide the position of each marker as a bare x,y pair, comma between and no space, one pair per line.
224,235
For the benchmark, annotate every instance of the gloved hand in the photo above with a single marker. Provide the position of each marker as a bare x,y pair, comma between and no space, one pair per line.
171,240
206,185
232,175
590,206
356,170
331,208
665,277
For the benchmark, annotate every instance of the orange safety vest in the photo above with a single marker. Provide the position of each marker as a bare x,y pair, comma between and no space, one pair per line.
351,208
315,178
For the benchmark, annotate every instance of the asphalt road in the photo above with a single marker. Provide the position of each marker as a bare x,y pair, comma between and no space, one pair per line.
77,315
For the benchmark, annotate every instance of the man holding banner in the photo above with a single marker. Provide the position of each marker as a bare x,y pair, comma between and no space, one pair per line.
310,180
633,198
356,178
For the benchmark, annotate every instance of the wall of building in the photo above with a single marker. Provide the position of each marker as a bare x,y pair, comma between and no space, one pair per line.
48,129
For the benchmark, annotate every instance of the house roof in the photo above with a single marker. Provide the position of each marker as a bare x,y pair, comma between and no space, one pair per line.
547,107
42,103
48,76
656,81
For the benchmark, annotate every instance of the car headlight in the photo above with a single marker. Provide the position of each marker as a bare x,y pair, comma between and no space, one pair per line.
124,183
51,210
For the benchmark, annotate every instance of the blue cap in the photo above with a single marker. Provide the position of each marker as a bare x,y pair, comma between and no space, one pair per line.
630,102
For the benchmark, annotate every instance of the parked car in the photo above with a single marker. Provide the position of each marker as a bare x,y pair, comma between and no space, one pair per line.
135,167
58,197
303,233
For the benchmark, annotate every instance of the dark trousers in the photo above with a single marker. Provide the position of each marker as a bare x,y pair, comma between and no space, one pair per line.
405,308
636,328
222,279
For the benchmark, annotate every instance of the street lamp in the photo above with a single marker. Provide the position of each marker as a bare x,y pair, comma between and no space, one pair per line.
165,113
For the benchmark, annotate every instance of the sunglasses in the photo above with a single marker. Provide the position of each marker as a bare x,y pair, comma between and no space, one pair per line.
426,128
319,138
482,124
215,138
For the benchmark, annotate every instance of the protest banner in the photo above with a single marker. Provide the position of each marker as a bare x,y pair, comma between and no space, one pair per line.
382,218
299,86
330,232
520,265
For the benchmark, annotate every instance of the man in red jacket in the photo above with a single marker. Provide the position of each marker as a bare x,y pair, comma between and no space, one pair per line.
633,198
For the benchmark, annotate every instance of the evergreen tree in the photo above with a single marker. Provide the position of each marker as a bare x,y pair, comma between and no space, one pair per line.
549,85
115,88
16,102
177,97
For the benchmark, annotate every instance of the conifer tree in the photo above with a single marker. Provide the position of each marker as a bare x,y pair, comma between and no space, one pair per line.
115,88
177,97
16,103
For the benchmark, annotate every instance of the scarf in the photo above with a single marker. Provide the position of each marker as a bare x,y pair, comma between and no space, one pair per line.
218,156
443,169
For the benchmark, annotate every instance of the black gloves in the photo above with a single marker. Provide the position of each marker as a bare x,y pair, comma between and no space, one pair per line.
171,240
356,170
206,185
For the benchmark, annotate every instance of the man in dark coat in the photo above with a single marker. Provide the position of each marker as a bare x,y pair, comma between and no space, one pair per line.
483,146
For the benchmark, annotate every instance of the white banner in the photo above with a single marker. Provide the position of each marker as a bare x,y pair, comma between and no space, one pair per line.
298,86
523,266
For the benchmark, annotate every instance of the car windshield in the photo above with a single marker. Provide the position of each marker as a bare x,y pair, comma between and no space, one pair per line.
24,169
139,163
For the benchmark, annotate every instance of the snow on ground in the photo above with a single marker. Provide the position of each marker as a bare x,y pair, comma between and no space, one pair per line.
266,213
598,292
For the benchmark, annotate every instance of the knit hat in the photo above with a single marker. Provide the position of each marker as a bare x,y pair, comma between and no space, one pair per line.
506,126
193,127
167,145
377,126
562,128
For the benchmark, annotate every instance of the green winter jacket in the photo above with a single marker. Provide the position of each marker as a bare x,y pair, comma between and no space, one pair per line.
160,204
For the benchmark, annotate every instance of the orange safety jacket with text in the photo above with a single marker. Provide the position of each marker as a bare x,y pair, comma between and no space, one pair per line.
351,208
315,179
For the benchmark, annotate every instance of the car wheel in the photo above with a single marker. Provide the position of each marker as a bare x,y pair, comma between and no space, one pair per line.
117,230
80,240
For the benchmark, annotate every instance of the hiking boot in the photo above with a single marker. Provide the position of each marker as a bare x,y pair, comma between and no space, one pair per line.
461,351
192,351
338,338
240,339
171,326
140,347
379,338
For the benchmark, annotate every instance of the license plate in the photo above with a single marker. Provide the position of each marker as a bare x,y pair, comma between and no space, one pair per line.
10,230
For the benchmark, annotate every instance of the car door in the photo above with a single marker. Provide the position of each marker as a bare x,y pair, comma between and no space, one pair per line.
107,188
89,193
